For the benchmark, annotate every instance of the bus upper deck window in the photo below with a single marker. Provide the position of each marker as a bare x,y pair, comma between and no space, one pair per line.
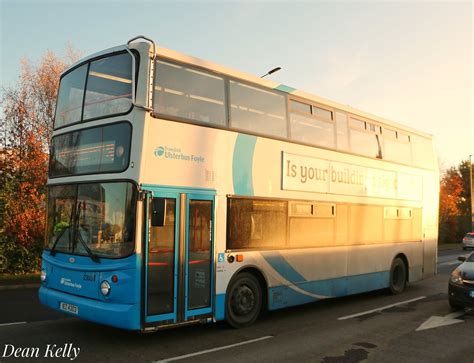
109,86
71,94
95,89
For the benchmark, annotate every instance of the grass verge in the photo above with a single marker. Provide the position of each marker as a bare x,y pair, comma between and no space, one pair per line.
8,279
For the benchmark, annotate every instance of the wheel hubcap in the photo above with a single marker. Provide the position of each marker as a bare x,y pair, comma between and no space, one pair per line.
243,300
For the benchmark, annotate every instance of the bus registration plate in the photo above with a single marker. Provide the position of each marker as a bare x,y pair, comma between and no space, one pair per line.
471,293
69,308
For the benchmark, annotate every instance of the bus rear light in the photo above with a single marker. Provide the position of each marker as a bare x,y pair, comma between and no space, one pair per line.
239,258
114,279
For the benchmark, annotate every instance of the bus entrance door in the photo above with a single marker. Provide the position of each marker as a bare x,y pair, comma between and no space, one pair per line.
179,257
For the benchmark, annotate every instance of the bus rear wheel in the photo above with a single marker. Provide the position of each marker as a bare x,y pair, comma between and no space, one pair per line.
243,300
398,276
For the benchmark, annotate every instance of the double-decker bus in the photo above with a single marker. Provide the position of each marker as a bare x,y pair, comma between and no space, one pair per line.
181,191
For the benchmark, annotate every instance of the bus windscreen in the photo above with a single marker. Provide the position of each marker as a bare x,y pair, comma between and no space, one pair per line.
91,219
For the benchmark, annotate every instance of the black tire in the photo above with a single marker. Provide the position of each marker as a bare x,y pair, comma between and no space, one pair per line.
243,300
398,276
454,306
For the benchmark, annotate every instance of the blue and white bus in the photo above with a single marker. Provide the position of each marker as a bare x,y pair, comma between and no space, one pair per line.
181,191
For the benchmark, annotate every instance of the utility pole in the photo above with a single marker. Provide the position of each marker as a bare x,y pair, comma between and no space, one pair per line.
471,179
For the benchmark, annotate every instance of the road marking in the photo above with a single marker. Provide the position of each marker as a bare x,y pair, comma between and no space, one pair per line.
437,321
381,308
215,349
448,261
16,323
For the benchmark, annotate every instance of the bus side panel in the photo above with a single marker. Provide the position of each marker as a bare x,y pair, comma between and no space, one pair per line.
298,276
367,258
430,224
430,255
284,296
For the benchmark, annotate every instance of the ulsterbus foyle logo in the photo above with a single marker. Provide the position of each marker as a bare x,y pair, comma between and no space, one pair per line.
175,153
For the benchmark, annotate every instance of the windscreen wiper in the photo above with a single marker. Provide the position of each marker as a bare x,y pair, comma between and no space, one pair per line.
91,254
53,249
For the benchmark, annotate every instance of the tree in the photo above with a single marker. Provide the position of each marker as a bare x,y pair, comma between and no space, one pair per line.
28,112
455,203
450,189
465,196
35,94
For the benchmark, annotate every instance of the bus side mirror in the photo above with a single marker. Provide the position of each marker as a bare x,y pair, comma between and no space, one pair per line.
158,212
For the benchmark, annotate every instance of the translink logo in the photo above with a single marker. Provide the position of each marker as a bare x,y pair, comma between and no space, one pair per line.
67,282
159,151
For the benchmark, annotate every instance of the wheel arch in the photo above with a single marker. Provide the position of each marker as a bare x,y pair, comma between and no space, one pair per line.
259,275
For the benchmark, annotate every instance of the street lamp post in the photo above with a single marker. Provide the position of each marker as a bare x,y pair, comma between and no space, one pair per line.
471,182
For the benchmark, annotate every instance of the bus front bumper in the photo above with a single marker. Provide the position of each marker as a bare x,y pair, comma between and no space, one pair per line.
124,316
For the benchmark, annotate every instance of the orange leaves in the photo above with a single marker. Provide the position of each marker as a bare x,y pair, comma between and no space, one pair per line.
451,190
24,177
454,204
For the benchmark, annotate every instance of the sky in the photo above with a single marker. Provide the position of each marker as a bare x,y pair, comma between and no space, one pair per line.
410,62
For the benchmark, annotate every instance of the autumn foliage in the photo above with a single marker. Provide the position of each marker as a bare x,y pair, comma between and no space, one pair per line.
28,112
455,204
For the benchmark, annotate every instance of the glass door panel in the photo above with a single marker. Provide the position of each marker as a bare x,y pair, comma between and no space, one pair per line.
199,255
161,249
161,264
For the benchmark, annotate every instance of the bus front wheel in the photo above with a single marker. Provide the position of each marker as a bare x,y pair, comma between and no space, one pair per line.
243,300
398,276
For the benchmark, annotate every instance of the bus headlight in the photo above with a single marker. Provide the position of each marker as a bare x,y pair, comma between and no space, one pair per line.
105,288
43,276
456,277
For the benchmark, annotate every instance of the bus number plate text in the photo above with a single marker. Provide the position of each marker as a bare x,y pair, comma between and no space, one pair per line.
73,309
